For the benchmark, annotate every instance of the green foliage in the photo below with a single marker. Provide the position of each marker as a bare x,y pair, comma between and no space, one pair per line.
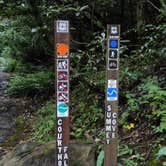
156,98
90,101
44,126
163,9
161,153
26,27
157,157
154,47
129,157
9,64
148,98
100,158
31,84
128,77
20,123
85,120
2,63
20,38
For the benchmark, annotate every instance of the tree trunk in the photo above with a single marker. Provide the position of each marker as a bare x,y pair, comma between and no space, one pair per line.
140,14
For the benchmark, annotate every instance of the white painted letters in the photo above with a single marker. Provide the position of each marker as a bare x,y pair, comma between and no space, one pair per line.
111,124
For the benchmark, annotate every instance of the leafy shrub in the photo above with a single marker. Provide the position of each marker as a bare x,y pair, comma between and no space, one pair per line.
129,157
161,153
155,97
126,155
154,47
100,158
85,120
20,38
31,84
44,126
150,100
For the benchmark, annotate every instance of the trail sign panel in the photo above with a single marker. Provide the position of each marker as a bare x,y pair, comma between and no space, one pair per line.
114,30
112,94
62,26
63,86
111,107
63,110
62,64
113,43
112,83
62,92
62,50
63,97
113,54
63,76
112,64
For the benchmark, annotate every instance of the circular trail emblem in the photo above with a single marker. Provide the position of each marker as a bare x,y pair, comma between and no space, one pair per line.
113,43
62,108
62,49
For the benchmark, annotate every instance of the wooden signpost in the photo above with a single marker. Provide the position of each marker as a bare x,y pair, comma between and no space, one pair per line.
111,112
62,40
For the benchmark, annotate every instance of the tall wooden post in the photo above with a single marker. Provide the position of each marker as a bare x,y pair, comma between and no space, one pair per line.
62,39
111,112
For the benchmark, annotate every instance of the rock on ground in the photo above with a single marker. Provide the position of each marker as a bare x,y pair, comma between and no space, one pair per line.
31,154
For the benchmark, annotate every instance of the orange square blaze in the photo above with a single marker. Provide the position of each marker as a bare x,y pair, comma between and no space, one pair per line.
62,49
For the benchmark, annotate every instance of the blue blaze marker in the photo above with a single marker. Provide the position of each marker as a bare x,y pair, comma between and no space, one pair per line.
113,43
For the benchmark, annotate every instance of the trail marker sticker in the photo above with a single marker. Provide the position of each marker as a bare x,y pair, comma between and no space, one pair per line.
113,54
62,75
63,97
113,43
112,64
114,30
112,83
63,110
63,86
112,94
62,50
62,26
62,64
